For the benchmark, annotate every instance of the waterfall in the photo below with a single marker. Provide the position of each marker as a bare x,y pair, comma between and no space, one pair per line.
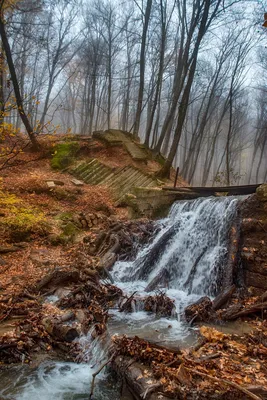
187,259
189,254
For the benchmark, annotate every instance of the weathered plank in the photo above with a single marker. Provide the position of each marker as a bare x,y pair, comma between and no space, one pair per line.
212,190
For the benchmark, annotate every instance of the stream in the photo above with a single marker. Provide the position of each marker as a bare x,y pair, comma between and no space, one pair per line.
191,249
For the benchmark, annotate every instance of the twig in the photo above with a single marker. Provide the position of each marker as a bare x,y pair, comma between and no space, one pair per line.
220,380
128,301
150,389
96,373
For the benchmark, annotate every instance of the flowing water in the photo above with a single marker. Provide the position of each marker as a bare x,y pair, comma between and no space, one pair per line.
188,257
190,251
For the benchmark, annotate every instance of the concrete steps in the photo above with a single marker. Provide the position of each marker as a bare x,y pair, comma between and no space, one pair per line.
119,180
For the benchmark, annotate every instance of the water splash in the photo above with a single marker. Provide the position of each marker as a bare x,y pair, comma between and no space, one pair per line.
191,247
189,255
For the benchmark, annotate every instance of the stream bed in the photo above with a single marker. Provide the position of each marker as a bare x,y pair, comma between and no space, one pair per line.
191,249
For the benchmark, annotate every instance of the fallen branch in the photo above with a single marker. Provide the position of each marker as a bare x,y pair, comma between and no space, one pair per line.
226,382
98,372
259,307
125,306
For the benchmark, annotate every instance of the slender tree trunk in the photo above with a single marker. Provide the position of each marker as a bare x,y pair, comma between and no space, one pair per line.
142,71
228,170
165,171
2,80
159,81
182,110
14,79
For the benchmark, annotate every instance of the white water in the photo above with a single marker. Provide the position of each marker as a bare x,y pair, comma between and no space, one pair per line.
194,230
61,380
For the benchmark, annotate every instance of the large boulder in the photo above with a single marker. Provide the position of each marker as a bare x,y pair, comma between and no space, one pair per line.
262,192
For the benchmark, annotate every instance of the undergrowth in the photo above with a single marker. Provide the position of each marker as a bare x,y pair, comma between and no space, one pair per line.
18,220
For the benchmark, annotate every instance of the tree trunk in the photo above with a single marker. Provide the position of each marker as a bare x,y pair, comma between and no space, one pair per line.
14,79
142,71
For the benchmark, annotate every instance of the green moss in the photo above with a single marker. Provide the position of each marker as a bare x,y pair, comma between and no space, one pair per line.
70,230
20,220
68,235
64,154
64,216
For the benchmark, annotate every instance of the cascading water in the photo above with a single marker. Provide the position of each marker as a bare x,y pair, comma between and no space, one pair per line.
61,380
187,257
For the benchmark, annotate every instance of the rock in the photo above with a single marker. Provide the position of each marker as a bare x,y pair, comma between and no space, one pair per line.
62,292
80,315
262,192
51,184
55,181
76,182
40,256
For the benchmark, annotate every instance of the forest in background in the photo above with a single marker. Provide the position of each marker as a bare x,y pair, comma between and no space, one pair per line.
186,78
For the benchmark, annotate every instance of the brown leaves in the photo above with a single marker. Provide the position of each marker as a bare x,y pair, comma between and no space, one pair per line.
224,364
211,334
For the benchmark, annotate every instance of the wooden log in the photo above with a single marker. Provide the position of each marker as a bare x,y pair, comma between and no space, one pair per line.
257,268
223,297
264,297
233,190
10,249
107,261
235,313
199,311
140,384
56,328
256,280
229,312
234,241
56,278
258,390
126,306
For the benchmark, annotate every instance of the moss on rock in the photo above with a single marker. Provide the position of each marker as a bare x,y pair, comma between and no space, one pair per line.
262,192
19,220
64,154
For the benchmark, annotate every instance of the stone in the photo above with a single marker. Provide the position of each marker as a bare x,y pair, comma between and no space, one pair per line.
40,256
76,182
262,192
55,181
50,184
